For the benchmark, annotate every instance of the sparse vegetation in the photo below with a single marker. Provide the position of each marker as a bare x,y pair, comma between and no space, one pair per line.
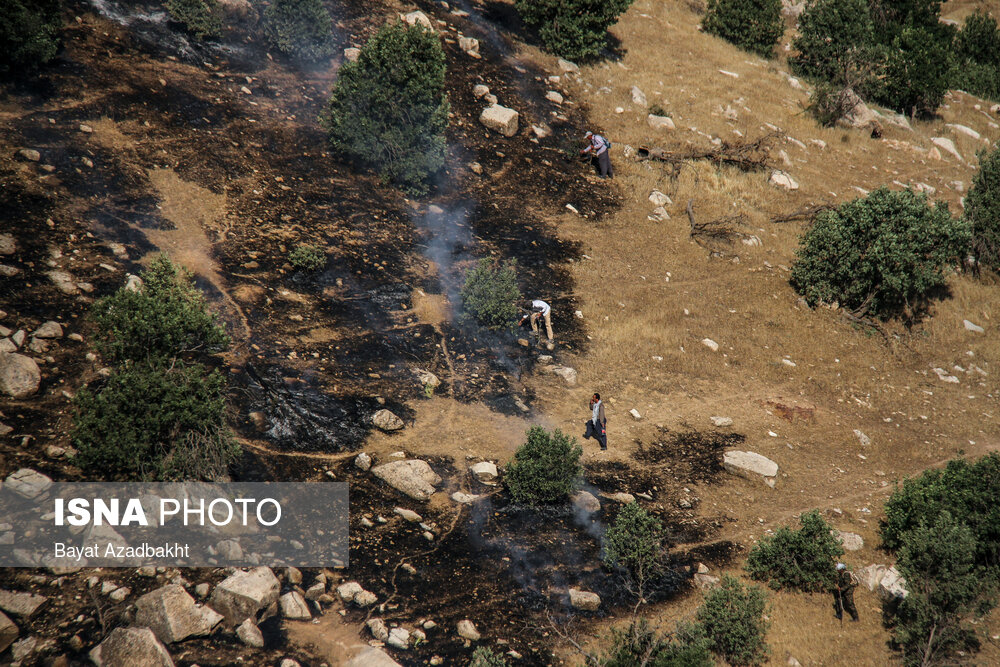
545,469
829,103
487,657
640,644
490,294
306,257
982,210
29,31
573,29
166,318
636,543
880,255
300,28
800,559
389,111
752,25
733,619
201,18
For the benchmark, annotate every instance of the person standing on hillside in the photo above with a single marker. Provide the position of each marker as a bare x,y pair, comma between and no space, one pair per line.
539,310
844,593
598,146
597,424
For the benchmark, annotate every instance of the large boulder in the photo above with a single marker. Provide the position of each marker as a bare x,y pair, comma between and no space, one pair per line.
412,477
500,119
584,600
19,375
417,18
586,502
27,483
485,472
859,115
131,647
242,595
23,605
892,585
871,576
750,465
294,607
173,616
371,657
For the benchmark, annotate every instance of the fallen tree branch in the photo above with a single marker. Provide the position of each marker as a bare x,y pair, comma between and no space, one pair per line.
724,229
744,155
809,213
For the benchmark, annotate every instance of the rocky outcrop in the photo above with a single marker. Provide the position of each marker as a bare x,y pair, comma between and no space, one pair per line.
22,605
293,606
412,477
750,465
131,647
173,616
241,595
27,483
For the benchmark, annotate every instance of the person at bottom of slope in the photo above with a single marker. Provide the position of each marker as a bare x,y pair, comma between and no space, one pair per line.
598,423
844,593
539,310
598,147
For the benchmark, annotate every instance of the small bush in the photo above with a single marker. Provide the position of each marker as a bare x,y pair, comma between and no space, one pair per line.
946,590
307,257
752,25
487,657
917,72
881,255
733,618
801,559
637,543
982,211
829,103
639,644
545,468
299,28
967,491
490,294
573,29
164,319
154,423
389,111
201,18
29,32
831,34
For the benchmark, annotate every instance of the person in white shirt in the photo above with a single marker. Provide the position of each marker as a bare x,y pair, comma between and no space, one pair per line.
539,310
598,146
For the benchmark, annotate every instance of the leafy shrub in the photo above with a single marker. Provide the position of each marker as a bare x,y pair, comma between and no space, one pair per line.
979,41
153,423
802,559
917,72
490,294
545,468
29,32
573,29
637,543
201,18
307,257
946,589
831,35
982,210
890,17
752,25
829,103
881,254
300,28
965,490
487,657
163,319
980,80
639,644
388,110
733,618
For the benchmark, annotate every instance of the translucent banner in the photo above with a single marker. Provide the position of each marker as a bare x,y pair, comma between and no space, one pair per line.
179,525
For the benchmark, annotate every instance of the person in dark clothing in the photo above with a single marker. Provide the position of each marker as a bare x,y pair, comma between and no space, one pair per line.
598,147
597,424
844,593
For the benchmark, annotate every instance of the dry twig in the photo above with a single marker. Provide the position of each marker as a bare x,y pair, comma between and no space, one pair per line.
744,155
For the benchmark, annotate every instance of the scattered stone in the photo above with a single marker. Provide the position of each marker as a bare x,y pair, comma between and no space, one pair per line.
8,246
721,422
480,90
485,472
934,154
619,497
18,337
705,581
413,477
348,591
660,122
119,595
363,462
22,605
464,498
467,630
131,647
554,96
386,421
417,17
750,465
173,616
365,599
657,198
586,502
892,585
49,330
63,281
7,346
8,632
871,576
567,66
584,600
710,344
783,180
229,550
470,45
948,146
133,283
408,515
476,168
27,483
850,541
30,154
969,326
316,590
250,634
294,607
860,115
351,54
862,438
243,594
19,375
201,590
500,119
659,214
638,97
372,657
399,638
8,271
542,130
378,629
962,129
565,372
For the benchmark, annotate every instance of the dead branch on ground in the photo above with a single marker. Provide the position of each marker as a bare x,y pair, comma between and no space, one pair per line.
721,230
808,213
744,155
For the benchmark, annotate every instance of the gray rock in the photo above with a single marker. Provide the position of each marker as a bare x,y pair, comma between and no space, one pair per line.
7,345
470,45
467,630
19,337
638,97
417,18
229,550
485,472
862,437
782,179
705,581
8,245
480,90
250,634
349,590
619,497
49,330
963,129
293,606
133,283
30,154
365,599
969,326
351,54
19,375
500,119
363,462
399,638
412,477
378,629
657,198
710,344
721,422
635,414
372,657
316,590
892,585
660,122
387,421
173,616
948,146
850,541
871,576
554,96
408,515
243,594
63,281
584,600
202,590
131,647
288,662
8,632
586,502
859,116
567,66
22,605
464,498
566,373
27,483
750,465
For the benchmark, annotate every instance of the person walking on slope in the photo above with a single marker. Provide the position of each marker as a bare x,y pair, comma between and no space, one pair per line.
844,593
539,310
598,146
597,424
